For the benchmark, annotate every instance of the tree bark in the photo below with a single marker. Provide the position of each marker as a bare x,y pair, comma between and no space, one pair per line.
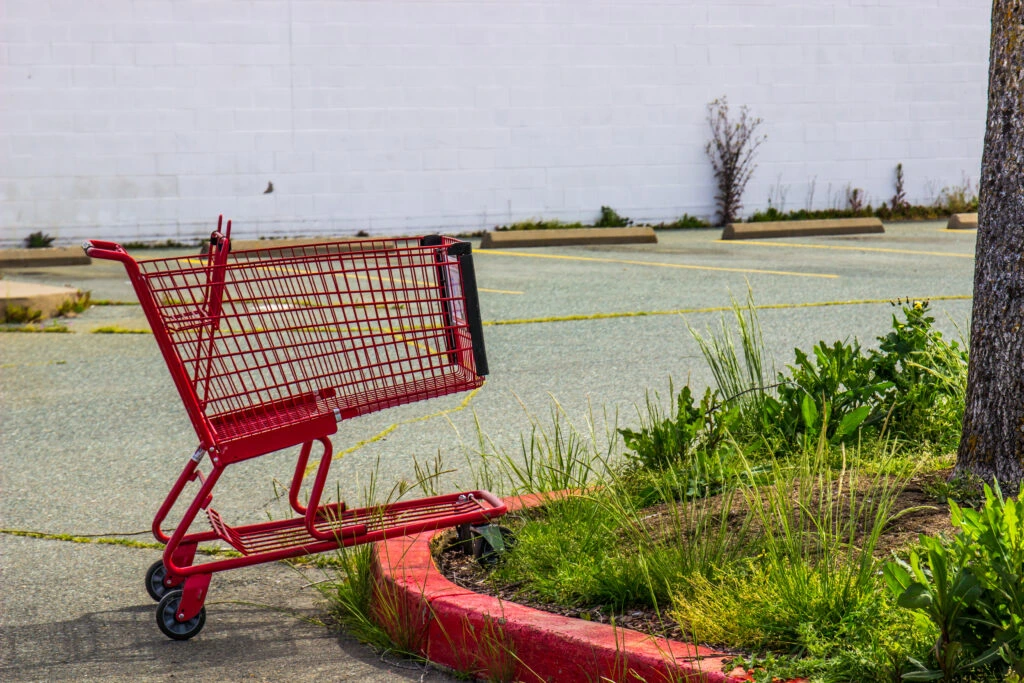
992,445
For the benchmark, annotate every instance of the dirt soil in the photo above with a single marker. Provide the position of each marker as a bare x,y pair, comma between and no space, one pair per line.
922,513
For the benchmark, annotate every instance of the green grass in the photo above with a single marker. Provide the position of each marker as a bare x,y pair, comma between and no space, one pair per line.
51,328
750,519
117,329
79,304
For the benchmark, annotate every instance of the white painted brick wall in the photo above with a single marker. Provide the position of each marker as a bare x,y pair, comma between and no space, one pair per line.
144,119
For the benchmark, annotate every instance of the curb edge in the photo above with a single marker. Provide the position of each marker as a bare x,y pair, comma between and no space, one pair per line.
471,632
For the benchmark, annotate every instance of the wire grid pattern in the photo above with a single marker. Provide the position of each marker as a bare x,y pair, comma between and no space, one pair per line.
426,513
273,337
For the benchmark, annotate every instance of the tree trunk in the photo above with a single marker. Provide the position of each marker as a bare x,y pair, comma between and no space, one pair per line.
992,445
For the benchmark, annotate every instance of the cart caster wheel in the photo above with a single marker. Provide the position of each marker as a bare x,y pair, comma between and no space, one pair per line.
168,623
155,576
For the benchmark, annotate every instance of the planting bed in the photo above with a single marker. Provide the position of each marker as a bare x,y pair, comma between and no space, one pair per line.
917,510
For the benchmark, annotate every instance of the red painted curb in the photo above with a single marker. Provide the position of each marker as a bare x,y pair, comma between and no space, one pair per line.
490,638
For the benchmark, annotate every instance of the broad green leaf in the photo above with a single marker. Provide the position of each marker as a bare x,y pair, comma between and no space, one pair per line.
852,420
809,411
916,596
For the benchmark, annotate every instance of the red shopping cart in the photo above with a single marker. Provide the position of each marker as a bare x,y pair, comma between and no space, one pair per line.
270,349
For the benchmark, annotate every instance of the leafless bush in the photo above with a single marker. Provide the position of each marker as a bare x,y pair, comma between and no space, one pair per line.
731,150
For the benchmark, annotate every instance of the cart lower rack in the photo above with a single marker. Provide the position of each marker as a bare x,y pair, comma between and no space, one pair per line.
270,349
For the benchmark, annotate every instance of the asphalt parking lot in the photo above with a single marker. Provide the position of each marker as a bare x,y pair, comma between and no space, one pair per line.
94,434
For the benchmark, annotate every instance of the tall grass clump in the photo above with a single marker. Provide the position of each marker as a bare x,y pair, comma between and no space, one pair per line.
910,388
605,549
815,582
555,457
742,370
352,594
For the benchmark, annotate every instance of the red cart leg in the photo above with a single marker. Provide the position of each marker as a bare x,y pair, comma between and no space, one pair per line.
300,474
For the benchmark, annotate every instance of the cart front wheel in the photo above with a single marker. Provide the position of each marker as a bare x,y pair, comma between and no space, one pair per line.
166,618
155,577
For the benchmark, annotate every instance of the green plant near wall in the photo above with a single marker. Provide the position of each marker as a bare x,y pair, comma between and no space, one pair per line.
686,221
610,218
899,203
78,304
21,314
38,240
960,198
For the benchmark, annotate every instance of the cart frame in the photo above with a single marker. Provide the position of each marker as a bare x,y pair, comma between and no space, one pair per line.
291,374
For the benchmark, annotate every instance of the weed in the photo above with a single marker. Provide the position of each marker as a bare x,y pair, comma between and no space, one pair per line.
38,240
683,440
899,204
854,199
117,329
814,583
79,304
353,594
555,459
773,214
962,198
684,222
540,224
15,313
965,488
611,219
971,589
731,151
52,328
742,379
163,244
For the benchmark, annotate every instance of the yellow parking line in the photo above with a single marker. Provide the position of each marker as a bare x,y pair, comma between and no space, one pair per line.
799,245
655,264
497,291
713,309
392,427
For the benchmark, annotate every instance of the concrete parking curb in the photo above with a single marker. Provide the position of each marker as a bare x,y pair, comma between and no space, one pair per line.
833,226
33,296
963,221
501,239
43,258
491,638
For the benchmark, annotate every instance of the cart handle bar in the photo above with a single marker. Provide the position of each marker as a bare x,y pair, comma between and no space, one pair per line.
110,251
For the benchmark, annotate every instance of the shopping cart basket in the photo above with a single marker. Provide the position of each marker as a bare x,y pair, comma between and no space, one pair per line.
269,349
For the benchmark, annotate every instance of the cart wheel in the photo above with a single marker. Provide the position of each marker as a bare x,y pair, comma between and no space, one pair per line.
166,618
155,576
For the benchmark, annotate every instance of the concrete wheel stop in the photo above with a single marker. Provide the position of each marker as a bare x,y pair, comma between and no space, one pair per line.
30,295
513,239
811,228
43,258
963,221
497,640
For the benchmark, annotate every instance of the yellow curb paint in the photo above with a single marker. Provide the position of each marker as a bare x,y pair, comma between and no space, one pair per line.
497,291
653,264
836,247
713,309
